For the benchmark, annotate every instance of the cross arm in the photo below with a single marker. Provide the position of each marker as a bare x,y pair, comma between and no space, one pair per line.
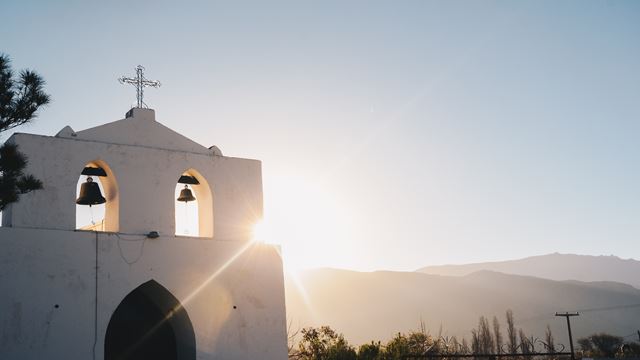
151,83
126,80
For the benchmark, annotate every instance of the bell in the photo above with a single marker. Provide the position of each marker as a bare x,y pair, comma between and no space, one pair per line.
90,194
186,195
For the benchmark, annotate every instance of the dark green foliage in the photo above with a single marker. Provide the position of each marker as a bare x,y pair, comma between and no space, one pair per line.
13,182
326,344
601,345
20,99
397,347
371,351
585,345
414,343
323,344
631,349
604,345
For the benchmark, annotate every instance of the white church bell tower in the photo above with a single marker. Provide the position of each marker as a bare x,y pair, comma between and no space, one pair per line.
129,283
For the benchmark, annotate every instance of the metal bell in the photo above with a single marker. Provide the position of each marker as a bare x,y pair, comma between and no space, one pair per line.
186,195
90,194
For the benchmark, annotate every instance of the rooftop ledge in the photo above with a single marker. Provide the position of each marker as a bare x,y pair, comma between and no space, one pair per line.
142,114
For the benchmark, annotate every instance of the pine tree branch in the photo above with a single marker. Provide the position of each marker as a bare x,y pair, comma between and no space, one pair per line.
20,100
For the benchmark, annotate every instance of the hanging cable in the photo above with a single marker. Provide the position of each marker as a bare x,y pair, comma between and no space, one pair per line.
93,222
137,239
186,219
95,306
589,310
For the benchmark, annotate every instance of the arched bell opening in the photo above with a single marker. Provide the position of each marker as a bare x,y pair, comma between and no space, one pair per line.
97,202
193,205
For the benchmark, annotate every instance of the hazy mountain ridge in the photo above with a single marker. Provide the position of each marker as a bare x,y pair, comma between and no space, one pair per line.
376,305
555,267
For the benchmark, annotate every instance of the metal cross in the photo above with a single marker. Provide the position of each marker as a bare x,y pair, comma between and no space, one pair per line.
140,82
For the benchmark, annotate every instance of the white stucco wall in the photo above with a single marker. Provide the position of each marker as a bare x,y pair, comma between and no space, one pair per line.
45,262
40,269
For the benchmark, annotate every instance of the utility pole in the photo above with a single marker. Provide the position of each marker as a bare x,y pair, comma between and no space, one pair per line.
568,315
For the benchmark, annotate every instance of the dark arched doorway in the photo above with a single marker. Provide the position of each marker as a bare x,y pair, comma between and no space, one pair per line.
150,323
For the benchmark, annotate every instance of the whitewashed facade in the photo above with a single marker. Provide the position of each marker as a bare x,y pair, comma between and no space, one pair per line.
221,295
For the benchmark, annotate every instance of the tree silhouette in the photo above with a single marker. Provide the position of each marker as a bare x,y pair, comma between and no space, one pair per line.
585,344
497,335
485,337
370,351
526,347
323,343
20,99
548,336
607,345
512,340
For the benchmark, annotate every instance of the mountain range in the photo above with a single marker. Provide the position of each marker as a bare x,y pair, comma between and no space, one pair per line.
555,267
368,306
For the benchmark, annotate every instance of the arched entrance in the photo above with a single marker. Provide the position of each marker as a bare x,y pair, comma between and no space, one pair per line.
150,323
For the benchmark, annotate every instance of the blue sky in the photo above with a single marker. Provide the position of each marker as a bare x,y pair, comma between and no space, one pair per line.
436,131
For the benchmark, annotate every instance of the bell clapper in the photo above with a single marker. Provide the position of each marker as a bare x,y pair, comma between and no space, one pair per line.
93,222
186,213
186,217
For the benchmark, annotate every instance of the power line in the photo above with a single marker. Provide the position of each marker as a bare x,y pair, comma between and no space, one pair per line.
591,310
610,308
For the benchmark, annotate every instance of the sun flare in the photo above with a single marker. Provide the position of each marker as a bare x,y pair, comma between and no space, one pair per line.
309,220
262,233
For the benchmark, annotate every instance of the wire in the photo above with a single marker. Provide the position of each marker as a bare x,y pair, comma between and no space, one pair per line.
138,237
144,241
95,307
630,306
582,311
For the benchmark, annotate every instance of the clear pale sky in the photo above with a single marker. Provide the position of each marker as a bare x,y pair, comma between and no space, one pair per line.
393,134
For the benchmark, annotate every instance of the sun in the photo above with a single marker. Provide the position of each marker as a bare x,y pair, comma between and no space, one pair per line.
263,233
309,220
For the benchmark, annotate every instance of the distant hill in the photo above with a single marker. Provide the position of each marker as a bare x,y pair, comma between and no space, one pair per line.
376,305
555,267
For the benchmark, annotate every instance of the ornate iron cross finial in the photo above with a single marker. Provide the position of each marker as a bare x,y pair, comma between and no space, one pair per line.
140,82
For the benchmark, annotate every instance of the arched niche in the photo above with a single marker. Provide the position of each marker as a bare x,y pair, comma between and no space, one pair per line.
150,323
109,212
204,204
